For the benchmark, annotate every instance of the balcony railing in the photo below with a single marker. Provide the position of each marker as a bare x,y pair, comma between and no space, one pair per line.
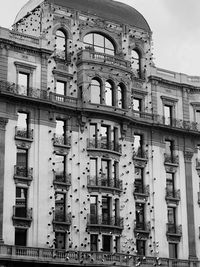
61,140
23,133
103,145
103,181
173,229
110,221
173,195
142,226
60,217
171,159
140,153
141,192
62,178
92,55
22,216
63,99
80,258
23,171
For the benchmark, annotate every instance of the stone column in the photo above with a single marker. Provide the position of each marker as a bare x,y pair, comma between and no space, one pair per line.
190,204
3,123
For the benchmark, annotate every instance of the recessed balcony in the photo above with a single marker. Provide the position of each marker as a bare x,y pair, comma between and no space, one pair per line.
62,181
22,216
172,196
142,229
92,56
104,146
141,192
171,160
61,221
23,134
105,223
174,232
61,141
23,174
104,184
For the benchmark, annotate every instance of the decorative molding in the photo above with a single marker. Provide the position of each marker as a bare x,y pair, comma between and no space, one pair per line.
104,155
23,145
170,168
3,122
188,155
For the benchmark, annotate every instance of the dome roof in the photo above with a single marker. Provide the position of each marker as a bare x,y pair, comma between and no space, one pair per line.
107,9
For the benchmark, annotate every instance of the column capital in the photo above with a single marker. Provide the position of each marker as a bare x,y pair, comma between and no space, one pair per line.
3,122
188,155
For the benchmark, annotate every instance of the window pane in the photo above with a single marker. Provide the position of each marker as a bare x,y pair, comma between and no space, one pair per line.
108,44
60,207
198,116
98,40
21,157
168,114
59,165
119,96
108,94
95,92
88,39
137,104
60,41
93,167
60,88
106,244
94,242
22,120
60,240
60,127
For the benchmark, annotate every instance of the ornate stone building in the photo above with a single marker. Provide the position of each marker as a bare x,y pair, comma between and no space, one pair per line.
99,149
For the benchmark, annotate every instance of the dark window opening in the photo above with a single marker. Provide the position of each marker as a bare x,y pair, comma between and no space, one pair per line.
140,246
60,207
60,240
20,237
106,243
93,242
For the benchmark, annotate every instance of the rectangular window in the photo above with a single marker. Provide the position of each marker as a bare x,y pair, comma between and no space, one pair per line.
93,210
139,187
140,246
22,124
106,210
138,145
115,139
105,172
169,149
93,135
140,221
117,244
60,240
93,242
60,132
170,184
115,174
23,83
106,243
21,202
137,106
60,168
173,253
93,171
168,114
20,237
105,131
197,115
117,218
61,88
60,207
171,215
22,162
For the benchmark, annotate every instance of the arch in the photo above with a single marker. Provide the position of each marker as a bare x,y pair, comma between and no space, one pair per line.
96,90
136,62
121,95
109,93
99,42
61,42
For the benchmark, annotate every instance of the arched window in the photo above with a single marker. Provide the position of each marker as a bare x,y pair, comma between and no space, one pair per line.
135,63
121,96
95,91
61,44
109,98
98,43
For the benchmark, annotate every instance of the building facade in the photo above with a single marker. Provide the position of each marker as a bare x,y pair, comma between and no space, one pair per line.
99,149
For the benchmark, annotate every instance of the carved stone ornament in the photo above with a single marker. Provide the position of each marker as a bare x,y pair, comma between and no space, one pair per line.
23,145
169,168
188,155
140,163
3,122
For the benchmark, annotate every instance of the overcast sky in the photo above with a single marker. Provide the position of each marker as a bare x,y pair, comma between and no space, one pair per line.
175,25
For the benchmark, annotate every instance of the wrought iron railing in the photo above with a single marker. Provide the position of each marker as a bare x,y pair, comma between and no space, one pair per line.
174,229
140,153
62,217
23,133
23,171
22,212
62,178
104,181
103,144
139,188
61,140
93,219
173,193
142,226
171,159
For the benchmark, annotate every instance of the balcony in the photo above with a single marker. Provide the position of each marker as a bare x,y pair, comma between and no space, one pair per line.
172,196
61,141
80,258
91,56
104,184
23,134
99,223
22,216
174,232
142,229
140,157
171,160
23,174
63,99
62,181
102,145
141,192
61,221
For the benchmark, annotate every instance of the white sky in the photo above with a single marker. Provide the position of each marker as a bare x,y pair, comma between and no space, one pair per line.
175,25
